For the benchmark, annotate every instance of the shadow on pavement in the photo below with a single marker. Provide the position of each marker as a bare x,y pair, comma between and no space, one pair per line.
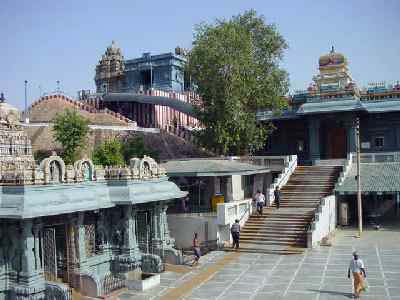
348,295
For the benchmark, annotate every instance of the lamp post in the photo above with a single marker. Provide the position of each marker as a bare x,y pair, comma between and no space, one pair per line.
359,200
26,101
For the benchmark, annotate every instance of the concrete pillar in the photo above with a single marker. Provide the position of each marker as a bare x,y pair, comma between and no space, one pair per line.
313,129
237,187
228,189
259,183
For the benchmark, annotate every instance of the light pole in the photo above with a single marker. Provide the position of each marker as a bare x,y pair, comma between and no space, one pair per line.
26,101
359,200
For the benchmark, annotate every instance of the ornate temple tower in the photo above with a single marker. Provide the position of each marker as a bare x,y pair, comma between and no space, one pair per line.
334,75
15,146
110,70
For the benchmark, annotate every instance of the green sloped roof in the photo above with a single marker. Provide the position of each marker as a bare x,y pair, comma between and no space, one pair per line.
375,177
320,106
210,167
382,106
330,106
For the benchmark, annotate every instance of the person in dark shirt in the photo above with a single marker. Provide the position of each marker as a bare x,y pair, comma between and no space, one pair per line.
196,249
277,195
235,231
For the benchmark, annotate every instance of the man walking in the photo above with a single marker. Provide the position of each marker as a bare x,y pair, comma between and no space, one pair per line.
235,231
277,195
357,268
196,249
260,201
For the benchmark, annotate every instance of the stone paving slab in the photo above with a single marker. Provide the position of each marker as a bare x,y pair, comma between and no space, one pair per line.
319,274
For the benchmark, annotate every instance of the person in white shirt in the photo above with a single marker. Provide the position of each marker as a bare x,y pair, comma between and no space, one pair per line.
358,270
260,201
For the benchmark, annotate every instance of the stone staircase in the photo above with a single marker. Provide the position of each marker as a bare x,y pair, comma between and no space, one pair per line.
284,230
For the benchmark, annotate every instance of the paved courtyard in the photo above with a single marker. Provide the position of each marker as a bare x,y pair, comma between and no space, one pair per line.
318,274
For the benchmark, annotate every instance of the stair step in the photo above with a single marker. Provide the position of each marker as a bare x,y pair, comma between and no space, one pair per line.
274,232
301,194
266,239
275,242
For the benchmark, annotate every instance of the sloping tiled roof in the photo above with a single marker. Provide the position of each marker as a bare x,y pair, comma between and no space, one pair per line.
269,115
210,167
382,106
375,177
334,105
330,106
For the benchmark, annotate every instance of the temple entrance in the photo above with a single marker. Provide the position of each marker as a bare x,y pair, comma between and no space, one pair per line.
333,141
144,231
56,255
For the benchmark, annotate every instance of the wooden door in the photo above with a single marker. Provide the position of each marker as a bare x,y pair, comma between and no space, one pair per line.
337,144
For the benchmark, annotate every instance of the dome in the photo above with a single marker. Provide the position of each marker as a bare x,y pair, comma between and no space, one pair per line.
332,58
9,114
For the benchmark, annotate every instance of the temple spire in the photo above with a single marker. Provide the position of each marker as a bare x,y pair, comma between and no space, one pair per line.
333,49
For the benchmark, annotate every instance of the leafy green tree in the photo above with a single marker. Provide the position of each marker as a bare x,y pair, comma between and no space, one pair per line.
235,66
70,130
134,147
109,153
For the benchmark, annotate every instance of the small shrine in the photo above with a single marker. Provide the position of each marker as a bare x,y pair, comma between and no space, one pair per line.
79,226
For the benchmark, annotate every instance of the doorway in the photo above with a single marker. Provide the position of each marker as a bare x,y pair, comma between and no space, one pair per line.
145,76
56,255
333,141
144,231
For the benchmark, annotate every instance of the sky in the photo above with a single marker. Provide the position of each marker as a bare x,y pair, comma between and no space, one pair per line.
48,41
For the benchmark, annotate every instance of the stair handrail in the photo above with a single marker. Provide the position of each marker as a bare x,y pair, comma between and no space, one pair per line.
308,227
345,170
282,179
245,211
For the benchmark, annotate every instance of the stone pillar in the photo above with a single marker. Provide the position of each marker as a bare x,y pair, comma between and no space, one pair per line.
130,236
130,256
31,283
157,243
28,242
313,131
163,243
37,228
79,230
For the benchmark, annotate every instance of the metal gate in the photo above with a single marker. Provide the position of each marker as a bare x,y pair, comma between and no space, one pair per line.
49,254
144,230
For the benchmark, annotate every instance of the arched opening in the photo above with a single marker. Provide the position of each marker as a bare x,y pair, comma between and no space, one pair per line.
55,172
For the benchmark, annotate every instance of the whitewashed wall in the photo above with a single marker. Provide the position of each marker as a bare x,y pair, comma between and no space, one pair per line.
183,226
324,222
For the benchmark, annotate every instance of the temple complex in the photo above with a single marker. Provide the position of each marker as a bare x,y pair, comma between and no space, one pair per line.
77,228
161,71
320,121
151,90
319,127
